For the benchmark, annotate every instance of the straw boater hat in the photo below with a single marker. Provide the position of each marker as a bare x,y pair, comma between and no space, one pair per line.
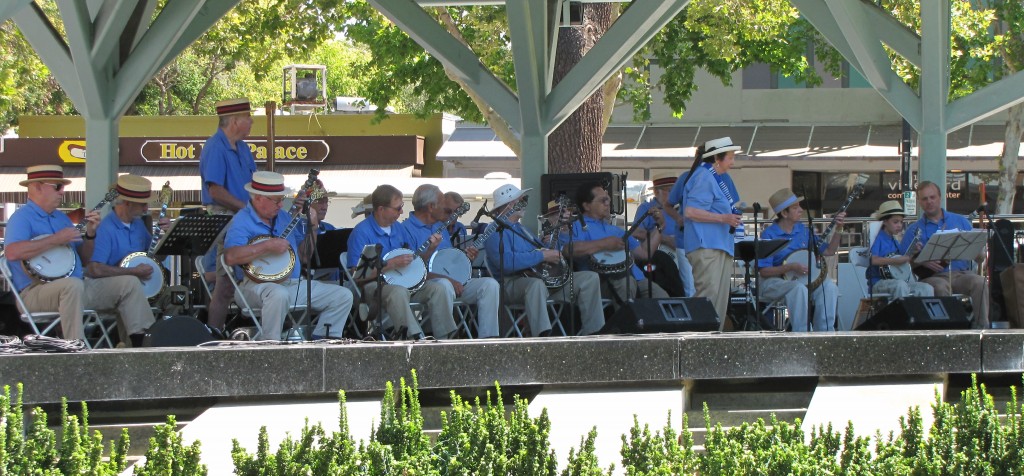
506,194
365,206
228,107
266,183
132,188
718,146
44,173
782,199
888,209
664,179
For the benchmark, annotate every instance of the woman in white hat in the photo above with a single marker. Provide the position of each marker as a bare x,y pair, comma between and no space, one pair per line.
789,226
890,271
707,200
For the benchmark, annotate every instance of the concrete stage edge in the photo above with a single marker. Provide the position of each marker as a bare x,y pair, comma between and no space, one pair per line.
277,371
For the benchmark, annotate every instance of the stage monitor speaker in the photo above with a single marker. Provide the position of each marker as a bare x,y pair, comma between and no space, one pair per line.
919,313
644,316
553,185
177,331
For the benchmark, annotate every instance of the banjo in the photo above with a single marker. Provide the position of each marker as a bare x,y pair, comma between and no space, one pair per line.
452,262
618,261
554,275
817,269
152,285
414,275
902,272
60,261
276,268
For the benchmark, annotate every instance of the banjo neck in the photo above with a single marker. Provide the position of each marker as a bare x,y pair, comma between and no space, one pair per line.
109,197
165,199
479,241
444,226
858,188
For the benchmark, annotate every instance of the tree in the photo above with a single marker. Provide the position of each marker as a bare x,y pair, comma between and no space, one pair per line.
720,37
26,86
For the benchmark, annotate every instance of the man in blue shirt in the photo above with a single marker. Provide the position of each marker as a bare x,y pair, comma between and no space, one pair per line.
599,242
947,278
69,295
457,231
522,287
320,200
264,216
428,212
774,269
382,227
886,251
226,166
671,272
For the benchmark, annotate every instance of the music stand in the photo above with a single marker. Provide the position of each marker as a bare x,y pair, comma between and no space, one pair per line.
745,251
952,246
329,246
192,235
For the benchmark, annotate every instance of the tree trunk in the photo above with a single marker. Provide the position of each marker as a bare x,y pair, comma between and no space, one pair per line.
1008,162
575,146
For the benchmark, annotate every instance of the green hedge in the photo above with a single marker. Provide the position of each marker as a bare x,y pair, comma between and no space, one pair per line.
485,438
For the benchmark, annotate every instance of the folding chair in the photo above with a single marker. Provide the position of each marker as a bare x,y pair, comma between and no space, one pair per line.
516,314
50,320
255,313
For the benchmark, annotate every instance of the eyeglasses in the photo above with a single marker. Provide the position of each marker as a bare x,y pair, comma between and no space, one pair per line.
397,209
277,200
56,186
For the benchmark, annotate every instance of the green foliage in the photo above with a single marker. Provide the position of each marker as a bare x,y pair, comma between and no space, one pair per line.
662,452
167,456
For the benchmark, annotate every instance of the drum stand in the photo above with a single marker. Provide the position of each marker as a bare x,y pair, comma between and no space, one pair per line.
748,250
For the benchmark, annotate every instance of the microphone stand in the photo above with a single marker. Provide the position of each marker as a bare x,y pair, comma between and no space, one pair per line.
757,265
570,264
314,257
812,249
625,245
502,226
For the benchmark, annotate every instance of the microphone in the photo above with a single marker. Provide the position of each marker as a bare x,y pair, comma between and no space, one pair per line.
479,213
757,207
983,208
583,223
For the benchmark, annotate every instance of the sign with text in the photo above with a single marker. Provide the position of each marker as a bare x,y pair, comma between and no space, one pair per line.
185,150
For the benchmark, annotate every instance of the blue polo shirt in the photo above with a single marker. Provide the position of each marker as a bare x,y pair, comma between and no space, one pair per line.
703,192
596,230
797,241
649,223
883,246
115,240
368,232
246,225
519,254
29,222
949,221
230,168
419,232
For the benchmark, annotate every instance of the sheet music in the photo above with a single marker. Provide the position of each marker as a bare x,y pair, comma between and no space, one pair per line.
953,245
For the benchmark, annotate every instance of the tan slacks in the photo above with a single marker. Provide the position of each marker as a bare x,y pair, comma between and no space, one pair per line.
396,303
70,296
712,270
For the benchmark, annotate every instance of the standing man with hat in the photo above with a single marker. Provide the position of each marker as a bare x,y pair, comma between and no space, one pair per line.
71,295
788,226
226,166
887,251
668,261
947,278
520,255
264,216
708,201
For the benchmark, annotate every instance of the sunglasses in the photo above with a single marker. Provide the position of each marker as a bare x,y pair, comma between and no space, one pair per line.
56,186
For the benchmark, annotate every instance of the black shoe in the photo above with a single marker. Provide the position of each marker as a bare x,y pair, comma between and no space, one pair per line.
136,339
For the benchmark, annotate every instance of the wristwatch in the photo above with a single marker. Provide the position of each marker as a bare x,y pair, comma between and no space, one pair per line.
87,237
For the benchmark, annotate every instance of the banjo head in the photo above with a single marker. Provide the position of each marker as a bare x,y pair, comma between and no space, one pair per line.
410,277
56,263
270,268
452,263
151,286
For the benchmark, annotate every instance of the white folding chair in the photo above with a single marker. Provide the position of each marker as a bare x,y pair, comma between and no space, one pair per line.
255,313
516,314
50,320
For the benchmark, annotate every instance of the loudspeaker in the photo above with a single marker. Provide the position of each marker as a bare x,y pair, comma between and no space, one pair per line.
644,316
939,312
553,185
177,331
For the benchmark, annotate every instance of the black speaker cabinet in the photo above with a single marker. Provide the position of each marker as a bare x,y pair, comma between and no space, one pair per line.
177,331
916,313
644,316
553,185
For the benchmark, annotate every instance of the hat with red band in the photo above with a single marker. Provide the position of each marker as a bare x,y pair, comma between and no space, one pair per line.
267,183
233,106
132,188
664,179
44,173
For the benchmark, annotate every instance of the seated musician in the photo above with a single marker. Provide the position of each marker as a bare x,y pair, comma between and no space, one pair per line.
382,227
429,213
886,251
665,272
263,216
619,282
519,256
68,296
319,199
456,230
775,268
946,278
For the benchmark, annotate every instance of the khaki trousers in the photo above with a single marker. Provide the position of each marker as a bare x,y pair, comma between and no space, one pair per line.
712,270
396,303
534,295
70,296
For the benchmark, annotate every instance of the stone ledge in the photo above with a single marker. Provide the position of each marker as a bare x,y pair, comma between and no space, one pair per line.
323,369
